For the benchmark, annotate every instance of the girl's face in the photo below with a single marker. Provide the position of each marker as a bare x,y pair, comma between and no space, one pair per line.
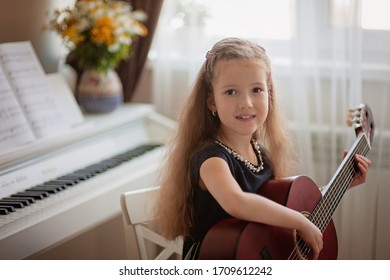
240,96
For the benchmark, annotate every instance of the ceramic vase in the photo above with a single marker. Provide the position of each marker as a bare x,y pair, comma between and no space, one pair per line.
100,92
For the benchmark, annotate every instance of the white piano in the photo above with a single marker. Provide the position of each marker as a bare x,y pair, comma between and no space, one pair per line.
134,135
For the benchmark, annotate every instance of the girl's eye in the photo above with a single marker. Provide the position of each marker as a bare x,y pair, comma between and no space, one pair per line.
257,90
230,92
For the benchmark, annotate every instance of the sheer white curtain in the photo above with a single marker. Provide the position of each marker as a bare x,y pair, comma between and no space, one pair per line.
324,62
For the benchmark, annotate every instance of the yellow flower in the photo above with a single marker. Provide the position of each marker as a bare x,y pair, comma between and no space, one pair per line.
143,31
71,34
103,31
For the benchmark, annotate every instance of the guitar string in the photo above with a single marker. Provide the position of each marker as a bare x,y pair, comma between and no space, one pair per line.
346,180
301,249
351,171
302,244
337,194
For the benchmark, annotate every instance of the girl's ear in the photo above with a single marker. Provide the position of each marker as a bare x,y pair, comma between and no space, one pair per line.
211,103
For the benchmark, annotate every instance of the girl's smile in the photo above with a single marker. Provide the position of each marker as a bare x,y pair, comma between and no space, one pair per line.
245,117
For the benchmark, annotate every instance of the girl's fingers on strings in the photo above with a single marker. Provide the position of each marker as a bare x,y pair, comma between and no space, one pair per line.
363,165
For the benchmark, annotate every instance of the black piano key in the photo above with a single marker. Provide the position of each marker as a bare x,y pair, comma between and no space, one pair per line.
27,196
31,200
109,164
98,168
86,174
46,189
72,177
59,187
148,147
77,176
93,168
123,157
4,211
9,208
119,159
15,204
36,195
19,199
62,182
128,155
83,176
115,160
42,194
92,171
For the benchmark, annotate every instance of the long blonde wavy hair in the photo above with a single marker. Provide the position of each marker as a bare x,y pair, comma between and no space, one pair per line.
197,127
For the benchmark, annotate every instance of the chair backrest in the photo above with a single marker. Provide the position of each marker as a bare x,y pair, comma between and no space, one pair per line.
137,212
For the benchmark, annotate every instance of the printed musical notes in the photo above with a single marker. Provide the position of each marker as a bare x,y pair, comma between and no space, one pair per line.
14,128
28,109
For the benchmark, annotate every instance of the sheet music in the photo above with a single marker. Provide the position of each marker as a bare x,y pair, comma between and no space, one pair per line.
14,128
65,98
28,82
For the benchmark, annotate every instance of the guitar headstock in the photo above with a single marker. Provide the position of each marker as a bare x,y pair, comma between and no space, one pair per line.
362,120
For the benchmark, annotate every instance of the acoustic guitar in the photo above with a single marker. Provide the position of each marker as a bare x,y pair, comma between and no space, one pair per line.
236,239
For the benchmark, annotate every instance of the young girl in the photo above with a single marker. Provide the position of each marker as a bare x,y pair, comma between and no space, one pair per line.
231,139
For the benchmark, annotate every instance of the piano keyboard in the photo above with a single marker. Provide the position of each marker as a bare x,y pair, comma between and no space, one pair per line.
28,197
60,188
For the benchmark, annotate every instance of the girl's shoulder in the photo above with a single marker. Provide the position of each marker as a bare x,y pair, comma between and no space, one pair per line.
212,149
209,150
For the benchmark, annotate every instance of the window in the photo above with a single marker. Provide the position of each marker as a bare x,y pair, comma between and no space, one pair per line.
259,19
244,18
374,14
188,29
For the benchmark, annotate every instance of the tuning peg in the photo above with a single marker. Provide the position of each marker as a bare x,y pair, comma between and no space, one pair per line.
355,116
351,117
349,122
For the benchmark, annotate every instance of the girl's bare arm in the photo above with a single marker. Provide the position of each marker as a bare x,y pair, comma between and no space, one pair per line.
217,179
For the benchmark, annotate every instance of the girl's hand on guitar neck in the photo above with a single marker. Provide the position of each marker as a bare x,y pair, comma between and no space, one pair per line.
363,164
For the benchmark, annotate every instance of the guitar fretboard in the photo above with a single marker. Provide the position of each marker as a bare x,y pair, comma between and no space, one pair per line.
339,184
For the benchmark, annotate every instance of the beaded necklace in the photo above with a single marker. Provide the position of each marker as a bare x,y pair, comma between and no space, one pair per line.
248,164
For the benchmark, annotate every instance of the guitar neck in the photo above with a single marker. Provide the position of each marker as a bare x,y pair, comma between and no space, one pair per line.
339,184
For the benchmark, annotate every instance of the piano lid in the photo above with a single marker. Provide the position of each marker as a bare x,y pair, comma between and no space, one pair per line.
100,137
94,125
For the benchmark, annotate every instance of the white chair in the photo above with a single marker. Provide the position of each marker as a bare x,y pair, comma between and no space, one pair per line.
137,211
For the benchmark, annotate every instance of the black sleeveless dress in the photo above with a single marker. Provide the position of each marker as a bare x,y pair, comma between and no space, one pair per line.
207,210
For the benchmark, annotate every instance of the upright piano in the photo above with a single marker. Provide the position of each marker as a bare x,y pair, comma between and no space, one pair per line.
55,188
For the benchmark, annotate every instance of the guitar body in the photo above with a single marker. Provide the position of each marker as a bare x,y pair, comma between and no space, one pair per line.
237,239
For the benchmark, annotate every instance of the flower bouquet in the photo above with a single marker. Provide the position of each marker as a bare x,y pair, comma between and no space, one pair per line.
100,34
